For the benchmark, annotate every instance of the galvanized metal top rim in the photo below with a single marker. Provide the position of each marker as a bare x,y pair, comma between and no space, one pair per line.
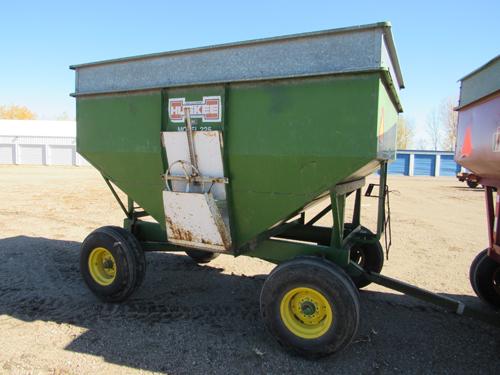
482,67
385,26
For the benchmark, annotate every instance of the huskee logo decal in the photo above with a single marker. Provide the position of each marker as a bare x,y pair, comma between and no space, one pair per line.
208,109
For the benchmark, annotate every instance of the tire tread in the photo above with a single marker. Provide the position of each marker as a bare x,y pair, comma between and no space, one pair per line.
343,283
132,250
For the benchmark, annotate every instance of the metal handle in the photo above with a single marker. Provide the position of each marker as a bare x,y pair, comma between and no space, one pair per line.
188,177
192,150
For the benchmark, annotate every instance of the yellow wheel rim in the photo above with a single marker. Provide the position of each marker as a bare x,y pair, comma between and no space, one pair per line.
102,266
306,313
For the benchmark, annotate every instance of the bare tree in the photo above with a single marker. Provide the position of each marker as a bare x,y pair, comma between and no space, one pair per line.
449,120
433,128
421,144
64,117
405,133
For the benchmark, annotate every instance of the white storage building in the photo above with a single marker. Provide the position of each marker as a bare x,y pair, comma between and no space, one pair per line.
39,142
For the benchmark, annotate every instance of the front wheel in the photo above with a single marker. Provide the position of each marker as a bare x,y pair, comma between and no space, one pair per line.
485,278
310,306
112,263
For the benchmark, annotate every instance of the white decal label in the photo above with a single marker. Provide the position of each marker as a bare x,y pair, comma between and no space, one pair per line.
208,109
496,141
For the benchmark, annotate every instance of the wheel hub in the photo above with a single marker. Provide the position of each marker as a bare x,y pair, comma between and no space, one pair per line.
496,280
357,255
102,266
308,308
306,312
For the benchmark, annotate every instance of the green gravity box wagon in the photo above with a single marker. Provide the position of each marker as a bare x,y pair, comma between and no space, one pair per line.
221,149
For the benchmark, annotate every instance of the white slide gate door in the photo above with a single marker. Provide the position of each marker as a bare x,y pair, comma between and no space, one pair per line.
195,195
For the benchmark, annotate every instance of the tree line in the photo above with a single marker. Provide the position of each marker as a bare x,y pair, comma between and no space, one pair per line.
20,112
440,128
16,112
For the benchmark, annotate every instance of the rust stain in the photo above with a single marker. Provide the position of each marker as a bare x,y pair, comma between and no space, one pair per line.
179,233
210,134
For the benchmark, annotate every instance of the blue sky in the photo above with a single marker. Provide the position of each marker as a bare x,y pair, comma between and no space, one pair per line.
438,42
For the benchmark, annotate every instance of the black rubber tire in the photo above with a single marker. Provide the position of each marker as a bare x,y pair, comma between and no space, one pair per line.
200,256
484,277
472,184
370,256
328,279
129,258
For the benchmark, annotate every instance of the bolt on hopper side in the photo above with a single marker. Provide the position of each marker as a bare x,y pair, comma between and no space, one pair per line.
226,146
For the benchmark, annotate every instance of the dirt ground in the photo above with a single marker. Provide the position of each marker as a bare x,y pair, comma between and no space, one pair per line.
190,319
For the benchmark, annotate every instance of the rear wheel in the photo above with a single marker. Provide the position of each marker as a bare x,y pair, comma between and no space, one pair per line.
369,256
310,306
200,256
112,263
485,278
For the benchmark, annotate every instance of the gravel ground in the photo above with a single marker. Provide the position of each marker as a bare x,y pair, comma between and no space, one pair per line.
191,319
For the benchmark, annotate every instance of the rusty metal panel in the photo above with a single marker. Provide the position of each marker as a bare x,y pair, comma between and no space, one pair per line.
194,220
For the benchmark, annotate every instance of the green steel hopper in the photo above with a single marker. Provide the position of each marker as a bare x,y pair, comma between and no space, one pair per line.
224,147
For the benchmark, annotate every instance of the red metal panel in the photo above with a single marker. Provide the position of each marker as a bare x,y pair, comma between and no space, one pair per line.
478,137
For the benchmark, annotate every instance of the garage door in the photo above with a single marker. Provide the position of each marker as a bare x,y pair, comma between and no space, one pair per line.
31,154
61,155
448,166
401,166
6,154
424,165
